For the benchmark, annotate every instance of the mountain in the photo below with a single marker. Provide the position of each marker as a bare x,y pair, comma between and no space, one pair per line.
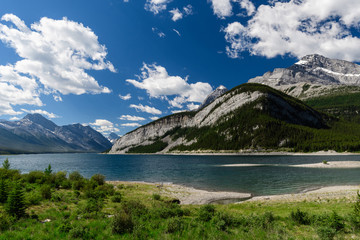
313,76
113,137
212,96
36,134
250,116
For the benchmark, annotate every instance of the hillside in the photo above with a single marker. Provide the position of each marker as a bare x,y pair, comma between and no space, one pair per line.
36,134
250,116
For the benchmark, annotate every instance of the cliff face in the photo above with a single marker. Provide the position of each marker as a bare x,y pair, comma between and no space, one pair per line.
222,110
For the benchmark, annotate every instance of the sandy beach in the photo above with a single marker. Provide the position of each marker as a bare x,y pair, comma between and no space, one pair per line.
189,195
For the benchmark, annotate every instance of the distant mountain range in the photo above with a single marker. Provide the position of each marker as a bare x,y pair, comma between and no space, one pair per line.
36,134
255,116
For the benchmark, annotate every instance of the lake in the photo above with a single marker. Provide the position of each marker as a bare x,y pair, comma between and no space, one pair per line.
202,172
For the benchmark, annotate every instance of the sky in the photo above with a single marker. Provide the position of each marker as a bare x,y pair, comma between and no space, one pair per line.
118,64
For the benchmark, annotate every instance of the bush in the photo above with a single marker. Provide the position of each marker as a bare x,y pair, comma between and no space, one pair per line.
98,179
34,177
134,208
174,225
78,232
116,198
65,227
6,164
156,196
75,176
6,222
78,184
206,213
122,223
93,205
45,191
326,233
300,217
15,205
169,210
33,198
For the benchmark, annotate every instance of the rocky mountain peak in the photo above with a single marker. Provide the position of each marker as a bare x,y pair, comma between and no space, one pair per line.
214,95
41,120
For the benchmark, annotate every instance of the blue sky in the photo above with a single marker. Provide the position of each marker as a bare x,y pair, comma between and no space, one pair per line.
118,64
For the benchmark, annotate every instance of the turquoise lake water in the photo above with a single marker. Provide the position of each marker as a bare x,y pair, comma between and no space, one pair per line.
202,172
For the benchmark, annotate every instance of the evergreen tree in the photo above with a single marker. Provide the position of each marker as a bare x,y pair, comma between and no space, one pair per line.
48,170
15,205
3,191
6,164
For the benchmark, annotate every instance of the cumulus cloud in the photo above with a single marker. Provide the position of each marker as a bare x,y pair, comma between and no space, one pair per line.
125,97
104,126
224,8
154,118
130,125
14,119
193,106
42,112
54,57
131,118
159,84
156,6
176,14
299,28
146,109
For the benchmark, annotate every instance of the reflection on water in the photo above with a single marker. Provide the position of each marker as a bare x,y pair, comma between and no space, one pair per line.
203,172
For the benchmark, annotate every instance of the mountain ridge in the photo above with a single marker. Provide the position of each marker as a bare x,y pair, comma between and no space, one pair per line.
36,134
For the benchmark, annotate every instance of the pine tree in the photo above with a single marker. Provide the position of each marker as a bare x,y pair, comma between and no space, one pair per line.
6,164
3,191
15,205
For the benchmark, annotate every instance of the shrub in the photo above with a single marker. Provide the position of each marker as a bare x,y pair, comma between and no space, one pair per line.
98,179
300,217
116,198
75,176
78,184
93,205
174,225
134,208
156,196
206,213
34,177
78,232
336,222
15,205
45,191
170,210
48,170
65,227
33,198
5,221
326,233
122,223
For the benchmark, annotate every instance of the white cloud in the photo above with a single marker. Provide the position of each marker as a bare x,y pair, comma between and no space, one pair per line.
193,106
299,28
177,32
131,118
188,10
42,112
125,97
130,125
104,126
178,111
147,109
154,118
156,6
158,32
54,55
222,8
14,119
159,84
176,14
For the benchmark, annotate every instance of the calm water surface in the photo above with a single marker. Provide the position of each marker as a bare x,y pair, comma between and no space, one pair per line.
203,172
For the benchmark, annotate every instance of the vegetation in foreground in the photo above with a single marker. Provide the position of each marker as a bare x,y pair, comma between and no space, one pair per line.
48,205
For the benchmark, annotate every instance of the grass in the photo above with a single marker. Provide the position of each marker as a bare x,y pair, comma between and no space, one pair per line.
143,213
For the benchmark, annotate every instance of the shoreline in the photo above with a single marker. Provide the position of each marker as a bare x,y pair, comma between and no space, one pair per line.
245,153
330,164
191,196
